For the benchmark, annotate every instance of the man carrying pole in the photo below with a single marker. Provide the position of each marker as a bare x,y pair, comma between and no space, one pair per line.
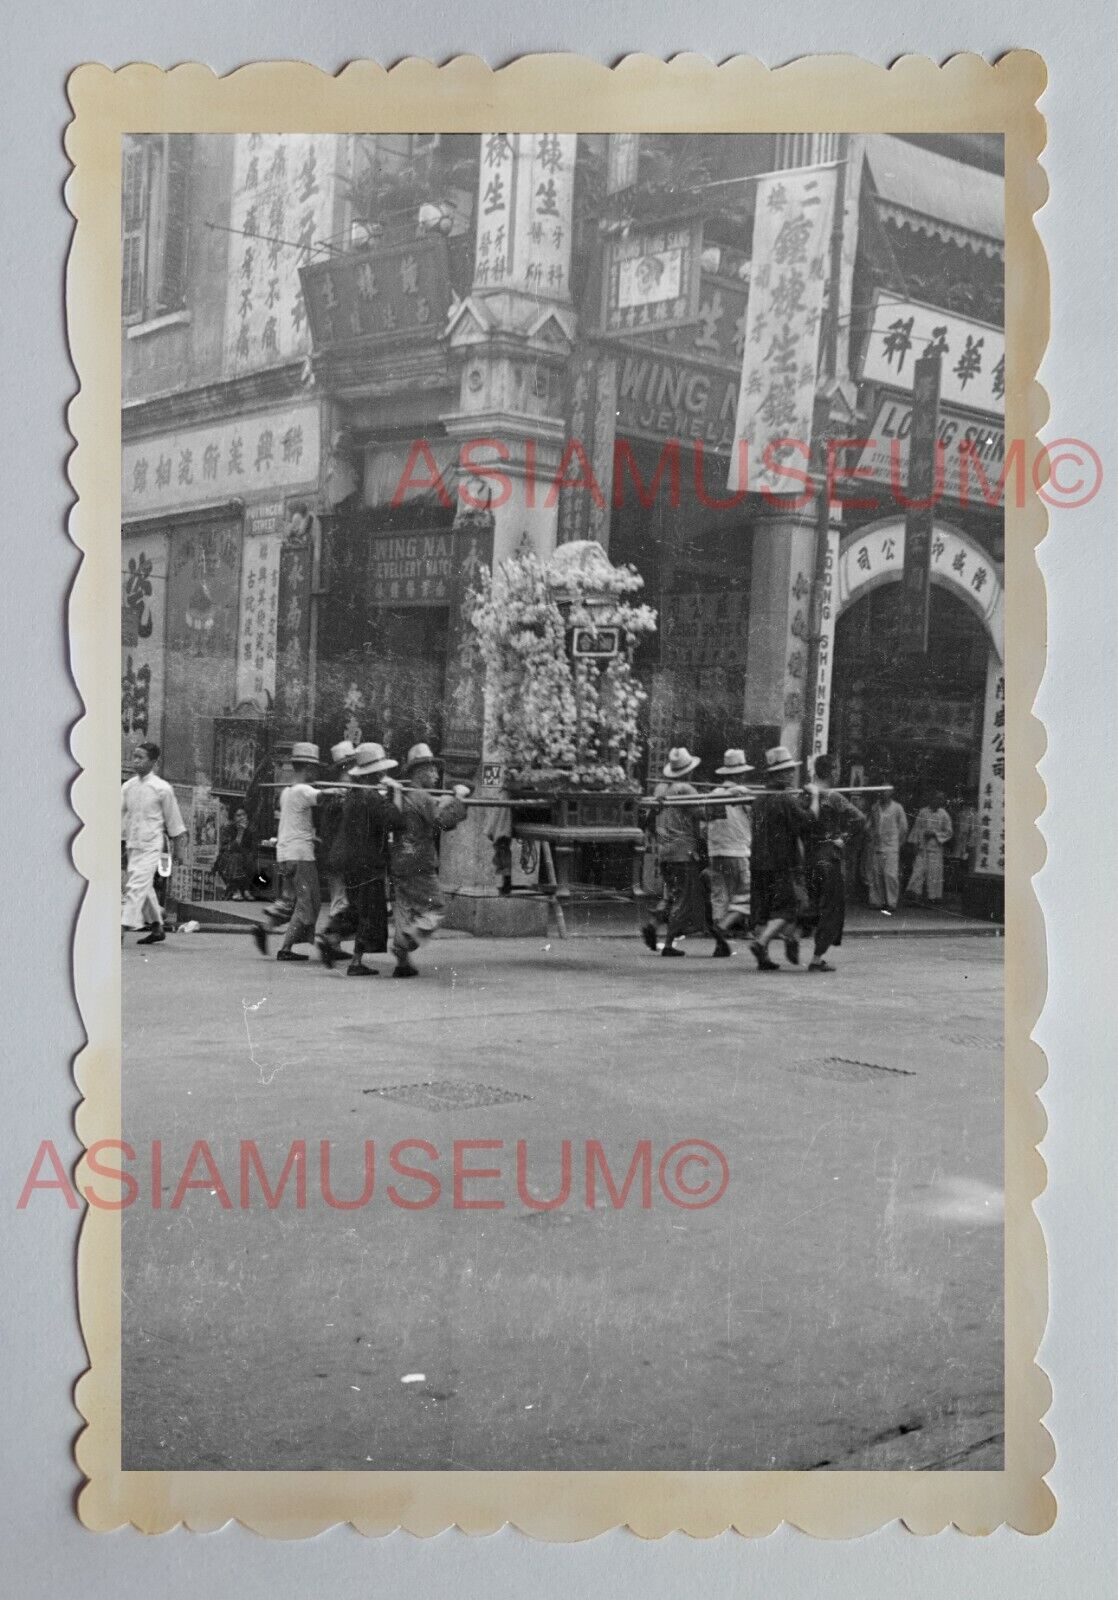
359,855
679,835
834,822
417,904
780,822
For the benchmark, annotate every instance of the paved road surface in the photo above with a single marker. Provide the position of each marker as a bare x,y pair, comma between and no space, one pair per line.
839,1307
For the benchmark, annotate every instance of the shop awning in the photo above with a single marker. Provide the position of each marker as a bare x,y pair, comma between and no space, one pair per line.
932,194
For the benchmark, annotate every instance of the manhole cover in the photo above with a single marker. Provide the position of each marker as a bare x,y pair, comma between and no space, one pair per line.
975,1041
446,1095
845,1069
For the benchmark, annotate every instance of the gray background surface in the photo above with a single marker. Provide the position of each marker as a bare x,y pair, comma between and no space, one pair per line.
45,1551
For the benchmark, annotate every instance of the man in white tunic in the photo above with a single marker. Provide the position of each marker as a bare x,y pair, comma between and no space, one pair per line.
149,815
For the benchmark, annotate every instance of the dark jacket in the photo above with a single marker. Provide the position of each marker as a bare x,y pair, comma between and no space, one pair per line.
780,821
359,847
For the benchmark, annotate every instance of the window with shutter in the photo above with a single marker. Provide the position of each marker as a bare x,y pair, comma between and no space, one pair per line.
154,224
133,226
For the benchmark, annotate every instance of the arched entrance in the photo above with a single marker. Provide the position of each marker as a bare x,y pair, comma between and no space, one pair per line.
915,720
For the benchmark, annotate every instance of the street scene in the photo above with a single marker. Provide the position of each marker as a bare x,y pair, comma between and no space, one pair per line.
565,571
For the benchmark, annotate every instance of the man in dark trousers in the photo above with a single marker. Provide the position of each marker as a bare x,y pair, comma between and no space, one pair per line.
359,856
780,823
834,821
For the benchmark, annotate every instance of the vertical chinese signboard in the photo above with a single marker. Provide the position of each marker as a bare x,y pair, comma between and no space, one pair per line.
203,605
256,645
525,198
825,607
791,242
143,604
465,671
990,860
920,518
282,208
293,635
592,408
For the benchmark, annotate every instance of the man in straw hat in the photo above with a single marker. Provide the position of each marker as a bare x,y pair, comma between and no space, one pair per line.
729,840
300,894
417,904
682,850
359,856
780,822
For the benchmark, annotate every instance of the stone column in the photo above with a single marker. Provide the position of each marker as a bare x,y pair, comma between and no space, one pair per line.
783,562
512,339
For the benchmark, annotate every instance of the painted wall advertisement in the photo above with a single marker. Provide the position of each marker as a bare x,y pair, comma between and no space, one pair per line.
143,608
281,214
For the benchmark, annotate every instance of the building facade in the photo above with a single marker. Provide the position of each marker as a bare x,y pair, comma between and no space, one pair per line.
358,369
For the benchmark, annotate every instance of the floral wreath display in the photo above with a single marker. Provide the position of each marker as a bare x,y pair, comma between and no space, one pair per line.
559,721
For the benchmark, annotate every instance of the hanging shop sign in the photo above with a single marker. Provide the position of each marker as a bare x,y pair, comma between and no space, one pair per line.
410,569
791,243
652,277
392,293
260,569
661,397
916,577
525,200
885,458
272,451
973,353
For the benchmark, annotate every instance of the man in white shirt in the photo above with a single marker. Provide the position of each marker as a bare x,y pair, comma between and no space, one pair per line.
149,814
300,890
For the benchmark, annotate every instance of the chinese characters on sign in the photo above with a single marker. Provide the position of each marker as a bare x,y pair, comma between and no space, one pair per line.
823,626
224,461
885,458
956,562
411,569
283,192
791,242
143,599
256,642
592,407
973,353
525,196
401,289
704,628
651,278
991,782
920,518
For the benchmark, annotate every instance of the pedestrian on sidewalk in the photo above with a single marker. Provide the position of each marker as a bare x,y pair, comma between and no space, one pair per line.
729,841
359,856
300,891
888,830
931,831
417,901
149,815
835,822
682,850
236,863
780,824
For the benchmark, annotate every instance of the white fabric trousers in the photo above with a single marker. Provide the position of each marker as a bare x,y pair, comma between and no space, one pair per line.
139,905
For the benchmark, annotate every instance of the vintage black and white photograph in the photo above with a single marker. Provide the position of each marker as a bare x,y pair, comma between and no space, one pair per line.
545,556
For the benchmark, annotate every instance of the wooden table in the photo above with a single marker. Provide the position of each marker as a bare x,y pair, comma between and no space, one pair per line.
555,837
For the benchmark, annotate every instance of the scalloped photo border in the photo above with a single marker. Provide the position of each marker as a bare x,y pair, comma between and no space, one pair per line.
688,93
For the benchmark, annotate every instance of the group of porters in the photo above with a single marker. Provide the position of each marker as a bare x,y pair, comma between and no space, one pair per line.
769,860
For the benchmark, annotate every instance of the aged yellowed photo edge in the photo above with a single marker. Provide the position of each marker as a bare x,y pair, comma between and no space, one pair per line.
688,93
